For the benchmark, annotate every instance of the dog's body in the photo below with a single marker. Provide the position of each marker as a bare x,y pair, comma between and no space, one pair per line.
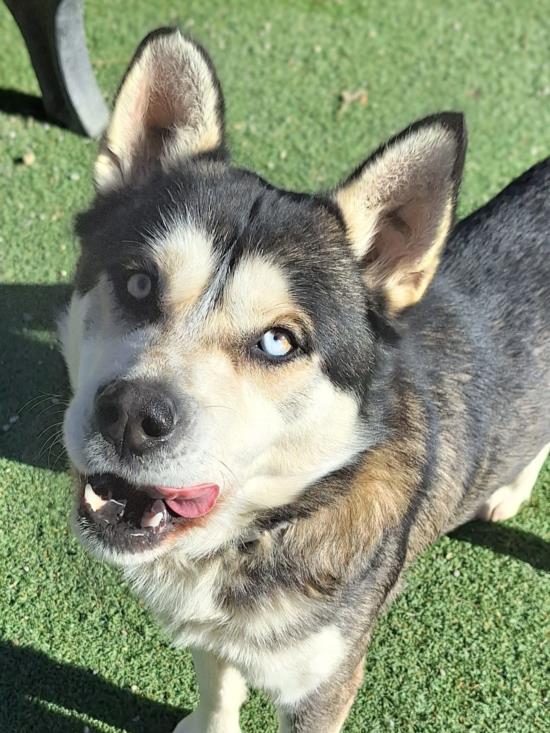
411,396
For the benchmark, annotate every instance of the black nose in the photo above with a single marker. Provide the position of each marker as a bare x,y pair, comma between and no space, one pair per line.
135,417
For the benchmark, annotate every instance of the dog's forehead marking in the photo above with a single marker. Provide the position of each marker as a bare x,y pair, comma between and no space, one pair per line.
186,261
256,294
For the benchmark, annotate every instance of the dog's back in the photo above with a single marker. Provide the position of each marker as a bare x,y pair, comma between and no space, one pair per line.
482,334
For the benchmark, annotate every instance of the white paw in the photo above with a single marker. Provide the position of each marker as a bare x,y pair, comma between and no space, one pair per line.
503,504
217,723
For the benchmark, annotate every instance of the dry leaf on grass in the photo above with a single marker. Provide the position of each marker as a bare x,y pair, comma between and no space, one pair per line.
348,97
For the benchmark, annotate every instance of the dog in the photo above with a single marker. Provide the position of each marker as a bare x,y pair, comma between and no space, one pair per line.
281,399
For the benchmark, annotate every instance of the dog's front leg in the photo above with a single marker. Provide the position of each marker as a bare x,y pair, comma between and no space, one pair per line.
326,710
222,691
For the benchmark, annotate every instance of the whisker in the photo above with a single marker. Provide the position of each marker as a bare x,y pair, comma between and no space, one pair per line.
53,436
57,407
59,456
39,399
50,412
50,442
39,396
221,407
50,453
218,460
55,425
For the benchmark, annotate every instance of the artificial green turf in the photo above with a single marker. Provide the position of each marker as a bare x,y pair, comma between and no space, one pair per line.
465,648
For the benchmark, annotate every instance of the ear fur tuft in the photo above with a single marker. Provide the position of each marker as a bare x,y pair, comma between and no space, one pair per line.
169,107
399,205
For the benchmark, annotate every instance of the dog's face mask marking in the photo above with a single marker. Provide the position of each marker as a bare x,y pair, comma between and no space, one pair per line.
220,341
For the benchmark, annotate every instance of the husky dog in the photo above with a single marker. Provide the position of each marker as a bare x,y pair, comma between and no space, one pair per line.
280,399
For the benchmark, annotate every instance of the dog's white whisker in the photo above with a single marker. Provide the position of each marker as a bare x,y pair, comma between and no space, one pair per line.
37,400
47,429
50,442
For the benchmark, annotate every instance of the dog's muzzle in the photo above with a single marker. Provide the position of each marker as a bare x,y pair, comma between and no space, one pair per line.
132,518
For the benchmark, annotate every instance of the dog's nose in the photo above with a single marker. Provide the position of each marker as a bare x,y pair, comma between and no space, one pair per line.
135,417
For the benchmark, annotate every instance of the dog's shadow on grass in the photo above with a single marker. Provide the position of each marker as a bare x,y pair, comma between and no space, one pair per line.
33,382
508,541
42,695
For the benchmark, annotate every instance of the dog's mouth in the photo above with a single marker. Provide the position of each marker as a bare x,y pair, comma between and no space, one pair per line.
133,518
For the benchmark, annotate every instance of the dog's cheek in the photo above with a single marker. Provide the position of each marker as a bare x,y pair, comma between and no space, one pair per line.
235,438
234,416
70,331
76,329
73,433
79,415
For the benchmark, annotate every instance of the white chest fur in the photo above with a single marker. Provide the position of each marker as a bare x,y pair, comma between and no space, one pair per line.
260,644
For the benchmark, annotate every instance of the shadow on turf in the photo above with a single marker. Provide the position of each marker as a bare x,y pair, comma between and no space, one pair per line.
13,102
509,541
33,383
29,680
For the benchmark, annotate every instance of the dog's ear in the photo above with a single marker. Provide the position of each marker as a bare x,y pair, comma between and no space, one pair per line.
169,107
398,206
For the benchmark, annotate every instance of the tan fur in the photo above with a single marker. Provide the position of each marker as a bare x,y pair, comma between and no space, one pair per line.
398,213
320,507
185,263
262,433
257,297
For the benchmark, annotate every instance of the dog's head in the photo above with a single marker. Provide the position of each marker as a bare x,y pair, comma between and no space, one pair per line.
223,333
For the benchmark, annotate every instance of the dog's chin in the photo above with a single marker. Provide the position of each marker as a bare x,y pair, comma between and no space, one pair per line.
128,524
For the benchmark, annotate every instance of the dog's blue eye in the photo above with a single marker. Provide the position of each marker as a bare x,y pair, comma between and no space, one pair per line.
277,343
139,285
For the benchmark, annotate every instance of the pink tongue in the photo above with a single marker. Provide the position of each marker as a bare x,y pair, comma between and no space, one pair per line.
195,501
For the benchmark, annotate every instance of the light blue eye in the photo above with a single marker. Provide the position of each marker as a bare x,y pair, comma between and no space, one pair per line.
276,343
139,285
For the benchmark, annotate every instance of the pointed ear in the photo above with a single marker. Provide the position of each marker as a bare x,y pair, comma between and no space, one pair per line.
399,205
169,107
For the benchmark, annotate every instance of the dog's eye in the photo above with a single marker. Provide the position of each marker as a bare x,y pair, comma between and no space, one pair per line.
277,343
139,285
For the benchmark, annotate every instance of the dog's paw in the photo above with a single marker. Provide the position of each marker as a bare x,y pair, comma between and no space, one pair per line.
503,504
507,501
196,723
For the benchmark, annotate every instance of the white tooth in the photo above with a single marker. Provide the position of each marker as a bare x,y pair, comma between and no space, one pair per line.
94,501
152,520
154,516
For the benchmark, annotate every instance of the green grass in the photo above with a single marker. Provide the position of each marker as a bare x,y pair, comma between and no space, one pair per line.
465,648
